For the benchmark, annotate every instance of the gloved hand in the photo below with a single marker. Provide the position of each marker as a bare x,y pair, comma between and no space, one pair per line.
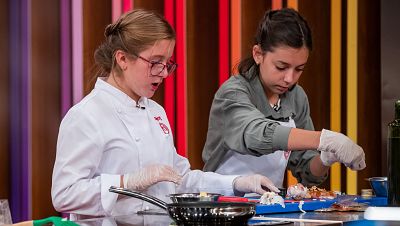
150,175
253,183
336,147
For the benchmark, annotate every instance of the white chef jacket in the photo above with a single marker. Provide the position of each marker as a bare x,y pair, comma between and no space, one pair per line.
107,135
272,165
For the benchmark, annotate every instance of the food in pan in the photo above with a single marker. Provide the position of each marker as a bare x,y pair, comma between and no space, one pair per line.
269,198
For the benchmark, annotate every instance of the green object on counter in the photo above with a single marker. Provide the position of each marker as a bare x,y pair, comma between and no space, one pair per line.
57,221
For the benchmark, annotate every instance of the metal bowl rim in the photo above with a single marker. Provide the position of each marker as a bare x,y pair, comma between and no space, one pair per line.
192,195
376,179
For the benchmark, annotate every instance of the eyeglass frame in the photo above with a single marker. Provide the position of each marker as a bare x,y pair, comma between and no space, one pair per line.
170,63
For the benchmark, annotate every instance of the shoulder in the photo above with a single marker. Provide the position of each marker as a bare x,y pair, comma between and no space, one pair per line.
234,86
89,109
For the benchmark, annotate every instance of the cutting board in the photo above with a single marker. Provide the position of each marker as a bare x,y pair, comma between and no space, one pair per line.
313,204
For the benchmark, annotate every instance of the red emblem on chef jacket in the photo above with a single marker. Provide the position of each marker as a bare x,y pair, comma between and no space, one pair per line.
164,127
286,154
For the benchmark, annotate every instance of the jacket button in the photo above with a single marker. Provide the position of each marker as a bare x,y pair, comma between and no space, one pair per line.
137,139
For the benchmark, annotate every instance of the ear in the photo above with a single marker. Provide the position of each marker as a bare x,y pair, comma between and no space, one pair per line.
121,59
257,54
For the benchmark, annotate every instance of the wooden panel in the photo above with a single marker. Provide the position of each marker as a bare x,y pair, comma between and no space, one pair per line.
252,14
369,89
4,97
202,73
158,6
45,106
96,16
316,77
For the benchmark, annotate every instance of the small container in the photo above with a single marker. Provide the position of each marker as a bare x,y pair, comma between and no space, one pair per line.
366,193
379,185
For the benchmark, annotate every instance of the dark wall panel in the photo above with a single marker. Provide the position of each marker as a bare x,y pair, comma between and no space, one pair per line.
202,72
369,74
4,100
45,97
316,77
252,13
96,16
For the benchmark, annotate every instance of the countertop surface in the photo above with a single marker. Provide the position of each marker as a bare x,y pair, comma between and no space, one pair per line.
298,218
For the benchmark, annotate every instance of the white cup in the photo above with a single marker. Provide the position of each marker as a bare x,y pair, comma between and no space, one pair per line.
5,214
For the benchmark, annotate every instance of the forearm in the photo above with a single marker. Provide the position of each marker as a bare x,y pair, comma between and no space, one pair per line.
300,139
317,168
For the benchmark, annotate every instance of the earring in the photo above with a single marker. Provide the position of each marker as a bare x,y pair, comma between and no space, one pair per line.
124,68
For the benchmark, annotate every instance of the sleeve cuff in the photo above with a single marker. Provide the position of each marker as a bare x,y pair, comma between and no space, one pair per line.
109,199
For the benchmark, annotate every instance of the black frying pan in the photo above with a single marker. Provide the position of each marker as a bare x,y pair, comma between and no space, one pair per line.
197,213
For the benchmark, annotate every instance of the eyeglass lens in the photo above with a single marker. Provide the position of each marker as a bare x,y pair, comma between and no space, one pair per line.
157,67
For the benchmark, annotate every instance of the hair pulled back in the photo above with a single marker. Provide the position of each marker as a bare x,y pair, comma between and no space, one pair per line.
133,32
284,27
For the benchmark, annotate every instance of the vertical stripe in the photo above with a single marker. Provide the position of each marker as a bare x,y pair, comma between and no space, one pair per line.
335,97
15,127
223,40
77,51
169,83
26,108
65,39
352,86
127,5
116,8
181,77
294,4
236,33
20,200
276,4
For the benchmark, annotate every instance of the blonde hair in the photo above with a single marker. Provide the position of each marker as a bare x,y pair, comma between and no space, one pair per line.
133,32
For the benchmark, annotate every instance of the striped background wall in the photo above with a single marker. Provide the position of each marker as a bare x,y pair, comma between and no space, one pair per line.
50,68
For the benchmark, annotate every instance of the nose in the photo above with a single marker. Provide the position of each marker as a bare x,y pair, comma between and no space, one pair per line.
289,76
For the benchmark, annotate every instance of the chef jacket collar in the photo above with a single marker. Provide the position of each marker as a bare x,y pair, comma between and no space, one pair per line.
261,101
124,99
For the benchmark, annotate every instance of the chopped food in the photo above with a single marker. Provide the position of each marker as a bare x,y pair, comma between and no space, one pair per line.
349,206
203,194
297,192
320,193
270,198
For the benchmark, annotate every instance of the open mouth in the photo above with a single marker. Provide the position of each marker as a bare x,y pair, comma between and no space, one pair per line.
155,85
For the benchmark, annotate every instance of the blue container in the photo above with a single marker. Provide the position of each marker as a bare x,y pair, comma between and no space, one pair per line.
379,186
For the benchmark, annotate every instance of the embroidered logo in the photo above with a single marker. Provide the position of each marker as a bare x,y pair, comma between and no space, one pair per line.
164,127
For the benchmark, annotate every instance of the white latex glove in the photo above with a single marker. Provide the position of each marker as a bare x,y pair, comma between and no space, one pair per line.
253,183
336,147
150,175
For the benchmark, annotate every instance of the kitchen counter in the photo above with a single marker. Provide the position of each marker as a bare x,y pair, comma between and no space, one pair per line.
306,219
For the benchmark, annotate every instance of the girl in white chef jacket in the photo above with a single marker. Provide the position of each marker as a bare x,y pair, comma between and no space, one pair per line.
260,119
117,136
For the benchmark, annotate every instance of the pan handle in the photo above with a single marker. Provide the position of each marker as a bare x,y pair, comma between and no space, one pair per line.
144,197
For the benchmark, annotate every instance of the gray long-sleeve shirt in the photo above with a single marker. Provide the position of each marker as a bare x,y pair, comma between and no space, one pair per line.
242,120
